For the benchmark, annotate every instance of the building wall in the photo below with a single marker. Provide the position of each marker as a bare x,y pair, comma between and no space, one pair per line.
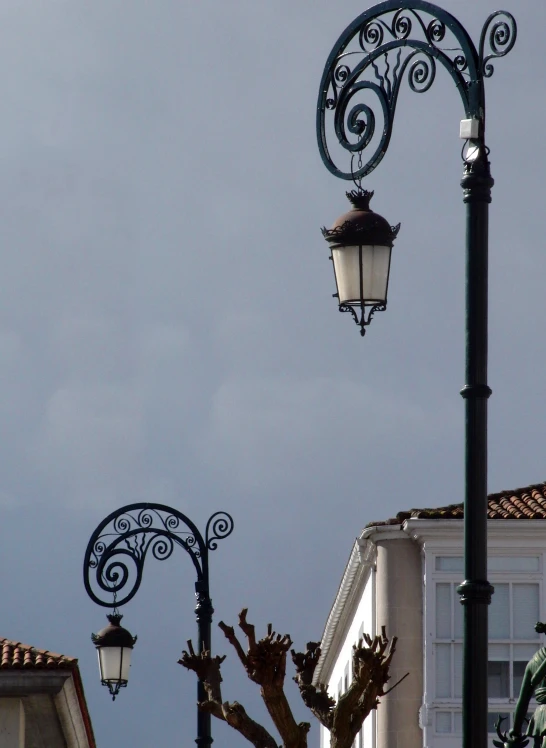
516,560
411,590
12,723
363,620
399,608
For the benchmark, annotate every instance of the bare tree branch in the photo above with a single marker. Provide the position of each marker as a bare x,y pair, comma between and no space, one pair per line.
396,684
207,669
370,675
315,698
247,628
235,715
212,707
229,633
265,664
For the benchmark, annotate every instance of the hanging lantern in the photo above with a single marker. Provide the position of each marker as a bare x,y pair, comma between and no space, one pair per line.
114,646
361,244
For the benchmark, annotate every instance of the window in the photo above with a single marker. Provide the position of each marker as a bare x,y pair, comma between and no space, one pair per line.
344,682
513,640
449,563
449,723
449,637
513,613
494,563
515,608
513,563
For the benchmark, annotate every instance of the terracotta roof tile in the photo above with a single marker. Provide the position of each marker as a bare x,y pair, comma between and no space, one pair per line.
528,502
16,656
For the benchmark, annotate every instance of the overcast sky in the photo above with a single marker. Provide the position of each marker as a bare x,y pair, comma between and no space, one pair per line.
168,333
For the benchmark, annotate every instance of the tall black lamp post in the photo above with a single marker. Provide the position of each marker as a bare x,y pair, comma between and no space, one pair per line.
387,43
112,573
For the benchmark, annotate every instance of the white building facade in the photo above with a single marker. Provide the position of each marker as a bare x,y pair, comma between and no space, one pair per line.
403,574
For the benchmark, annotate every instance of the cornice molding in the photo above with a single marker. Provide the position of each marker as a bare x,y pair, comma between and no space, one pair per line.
361,561
362,558
428,532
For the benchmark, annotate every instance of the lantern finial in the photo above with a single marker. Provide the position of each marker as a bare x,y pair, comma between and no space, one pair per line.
360,199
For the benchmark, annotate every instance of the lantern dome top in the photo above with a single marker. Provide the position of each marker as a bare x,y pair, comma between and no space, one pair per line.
361,225
114,635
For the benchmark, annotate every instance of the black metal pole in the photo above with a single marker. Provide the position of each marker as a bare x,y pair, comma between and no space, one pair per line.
476,591
203,612
413,33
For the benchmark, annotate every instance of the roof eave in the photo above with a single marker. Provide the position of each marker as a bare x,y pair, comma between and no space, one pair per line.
361,559
73,713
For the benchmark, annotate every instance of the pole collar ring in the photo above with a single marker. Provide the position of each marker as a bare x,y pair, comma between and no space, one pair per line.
475,592
476,390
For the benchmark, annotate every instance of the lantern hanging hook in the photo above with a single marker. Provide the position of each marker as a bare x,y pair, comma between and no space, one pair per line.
357,180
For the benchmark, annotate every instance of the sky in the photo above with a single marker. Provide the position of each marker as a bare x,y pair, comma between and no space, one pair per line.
168,332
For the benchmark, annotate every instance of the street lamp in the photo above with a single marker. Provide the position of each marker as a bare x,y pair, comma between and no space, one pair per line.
114,646
113,567
391,41
361,243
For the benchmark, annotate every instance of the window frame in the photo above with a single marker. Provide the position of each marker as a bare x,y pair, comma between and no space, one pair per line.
432,577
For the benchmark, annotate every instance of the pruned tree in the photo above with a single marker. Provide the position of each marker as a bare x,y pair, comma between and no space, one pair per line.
265,665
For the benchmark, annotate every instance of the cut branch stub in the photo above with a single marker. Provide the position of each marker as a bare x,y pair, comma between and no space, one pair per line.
315,698
206,668
306,663
265,660
265,664
229,633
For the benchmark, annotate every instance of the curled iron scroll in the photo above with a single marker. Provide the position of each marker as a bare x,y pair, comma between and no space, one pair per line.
117,550
498,36
219,526
389,43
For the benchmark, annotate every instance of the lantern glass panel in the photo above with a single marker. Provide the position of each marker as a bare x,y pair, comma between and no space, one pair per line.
372,288
114,663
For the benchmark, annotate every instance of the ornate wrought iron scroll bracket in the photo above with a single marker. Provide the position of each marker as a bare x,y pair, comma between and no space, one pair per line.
116,552
390,41
363,321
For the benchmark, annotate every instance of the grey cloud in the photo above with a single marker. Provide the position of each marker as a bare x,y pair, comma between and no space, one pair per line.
264,430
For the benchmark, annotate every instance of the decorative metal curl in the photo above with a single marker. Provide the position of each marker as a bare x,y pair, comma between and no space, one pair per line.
116,552
219,526
421,74
499,33
387,43
364,321
349,233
